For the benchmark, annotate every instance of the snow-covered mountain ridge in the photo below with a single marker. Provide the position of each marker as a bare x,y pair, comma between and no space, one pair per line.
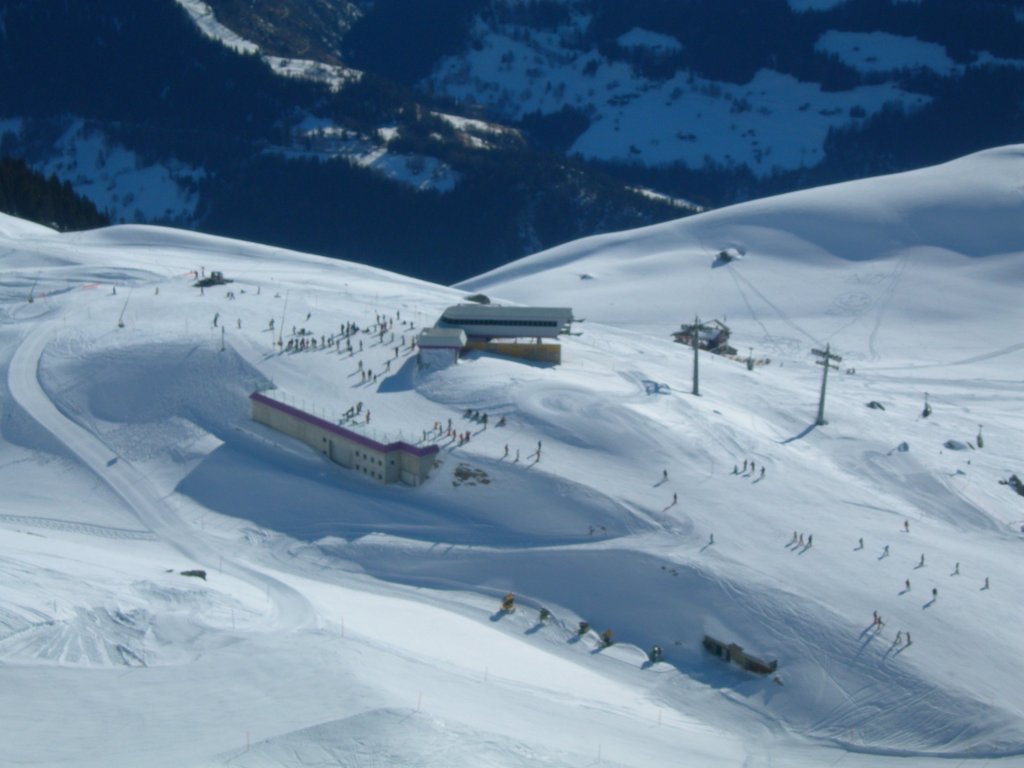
345,622
141,111
713,101
770,89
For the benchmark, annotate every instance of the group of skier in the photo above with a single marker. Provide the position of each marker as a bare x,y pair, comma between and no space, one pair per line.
877,622
798,540
737,470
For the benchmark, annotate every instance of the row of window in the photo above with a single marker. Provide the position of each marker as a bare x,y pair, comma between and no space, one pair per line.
376,475
489,321
369,458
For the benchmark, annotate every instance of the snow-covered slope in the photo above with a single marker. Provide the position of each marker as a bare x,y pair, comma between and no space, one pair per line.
342,622
824,264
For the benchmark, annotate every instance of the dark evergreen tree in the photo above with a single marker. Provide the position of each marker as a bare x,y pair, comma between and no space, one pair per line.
30,195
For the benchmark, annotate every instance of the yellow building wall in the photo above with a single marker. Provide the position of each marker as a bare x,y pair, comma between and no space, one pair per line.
541,353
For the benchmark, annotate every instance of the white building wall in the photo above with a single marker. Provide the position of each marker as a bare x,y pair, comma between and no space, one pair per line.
437,359
383,466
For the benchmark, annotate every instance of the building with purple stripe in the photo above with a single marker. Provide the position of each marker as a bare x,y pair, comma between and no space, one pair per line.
383,462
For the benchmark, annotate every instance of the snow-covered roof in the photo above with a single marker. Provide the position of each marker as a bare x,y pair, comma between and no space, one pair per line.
441,338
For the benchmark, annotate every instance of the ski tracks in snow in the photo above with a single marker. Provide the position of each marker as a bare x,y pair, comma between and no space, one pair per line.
73,526
293,610
883,305
738,278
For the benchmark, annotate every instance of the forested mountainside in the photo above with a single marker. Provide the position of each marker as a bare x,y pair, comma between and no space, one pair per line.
442,139
714,100
153,121
30,195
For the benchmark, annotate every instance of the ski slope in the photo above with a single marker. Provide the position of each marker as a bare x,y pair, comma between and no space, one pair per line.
342,622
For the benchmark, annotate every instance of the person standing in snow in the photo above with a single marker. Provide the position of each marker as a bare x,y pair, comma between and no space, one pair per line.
908,585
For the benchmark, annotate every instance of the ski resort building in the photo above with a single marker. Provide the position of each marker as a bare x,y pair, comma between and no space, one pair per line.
483,322
440,347
383,462
712,336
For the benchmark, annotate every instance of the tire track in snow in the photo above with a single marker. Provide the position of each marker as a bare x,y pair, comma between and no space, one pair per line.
292,609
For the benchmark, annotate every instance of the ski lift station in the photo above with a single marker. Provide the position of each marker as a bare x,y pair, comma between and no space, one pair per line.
496,329
712,336
483,322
